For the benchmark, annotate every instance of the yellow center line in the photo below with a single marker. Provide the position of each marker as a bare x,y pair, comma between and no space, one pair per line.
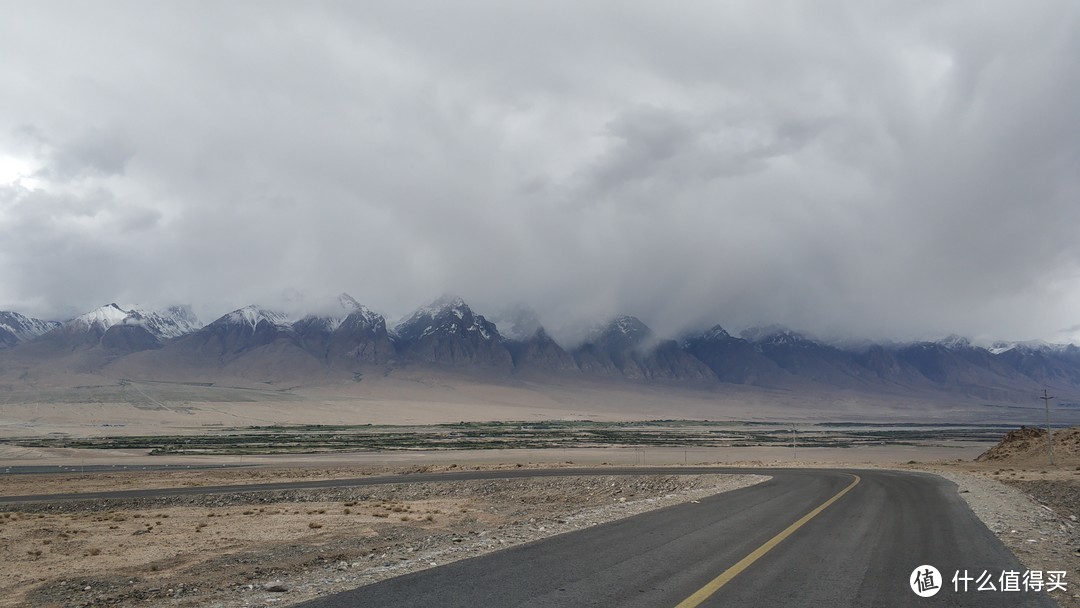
714,585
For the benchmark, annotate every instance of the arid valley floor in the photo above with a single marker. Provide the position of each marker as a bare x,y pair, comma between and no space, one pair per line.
279,548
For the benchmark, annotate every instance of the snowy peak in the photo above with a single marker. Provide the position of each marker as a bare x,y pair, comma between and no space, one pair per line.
447,315
251,316
774,335
1029,346
331,316
171,322
447,303
954,342
344,309
446,332
622,332
99,319
16,328
714,334
628,325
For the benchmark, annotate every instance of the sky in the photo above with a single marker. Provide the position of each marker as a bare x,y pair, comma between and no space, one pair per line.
882,170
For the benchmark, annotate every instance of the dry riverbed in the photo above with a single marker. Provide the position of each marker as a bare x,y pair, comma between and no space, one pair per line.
279,548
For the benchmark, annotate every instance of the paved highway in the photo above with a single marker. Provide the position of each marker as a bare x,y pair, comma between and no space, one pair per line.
806,537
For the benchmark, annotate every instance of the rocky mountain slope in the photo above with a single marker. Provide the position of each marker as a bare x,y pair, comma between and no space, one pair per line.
447,332
345,337
17,328
1028,445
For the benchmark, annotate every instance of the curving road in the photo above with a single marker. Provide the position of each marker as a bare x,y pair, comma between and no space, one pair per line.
806,537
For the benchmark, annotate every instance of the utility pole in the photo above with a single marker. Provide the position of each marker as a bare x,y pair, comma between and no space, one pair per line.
794,451
1049,433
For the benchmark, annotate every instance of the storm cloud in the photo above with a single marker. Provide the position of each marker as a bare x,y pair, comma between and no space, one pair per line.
854,169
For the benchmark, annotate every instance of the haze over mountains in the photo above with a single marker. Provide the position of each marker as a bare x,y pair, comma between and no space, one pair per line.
347,340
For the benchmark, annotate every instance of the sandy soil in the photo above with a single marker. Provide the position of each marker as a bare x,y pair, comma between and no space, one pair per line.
285,547
74,459
132,553
1032,509
91,405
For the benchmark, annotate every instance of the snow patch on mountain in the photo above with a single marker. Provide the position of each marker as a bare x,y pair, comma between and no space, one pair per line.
100,318
954,342
332,314
776,335
1029,346
171,322
16,328
252,315
450,315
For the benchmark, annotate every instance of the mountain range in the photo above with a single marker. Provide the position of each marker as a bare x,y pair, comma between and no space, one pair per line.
347,340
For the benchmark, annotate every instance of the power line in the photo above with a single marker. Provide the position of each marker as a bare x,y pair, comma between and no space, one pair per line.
1049,434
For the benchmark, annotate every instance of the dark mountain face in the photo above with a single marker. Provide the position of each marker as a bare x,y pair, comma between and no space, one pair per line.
362,338
733,359
938,363
16,328
888,367
666,361
613,350
239,331
124,339
448,333
540,353
350,336
626,347
1052,367
809,359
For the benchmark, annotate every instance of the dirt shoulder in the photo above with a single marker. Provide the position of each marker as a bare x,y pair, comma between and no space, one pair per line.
280,548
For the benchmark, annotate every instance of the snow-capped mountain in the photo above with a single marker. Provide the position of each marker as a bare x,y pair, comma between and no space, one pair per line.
331,316
16,328
99,320
1000,347
954,342
237,331
774,335
448,332
171,322
120,330
251,316
343,335
347,332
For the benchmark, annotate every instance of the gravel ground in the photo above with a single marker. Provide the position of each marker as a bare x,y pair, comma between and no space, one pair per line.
280,548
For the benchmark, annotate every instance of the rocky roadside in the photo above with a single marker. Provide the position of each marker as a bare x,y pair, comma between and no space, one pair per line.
280,548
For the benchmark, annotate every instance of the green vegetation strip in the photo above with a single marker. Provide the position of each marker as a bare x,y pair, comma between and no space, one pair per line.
300,439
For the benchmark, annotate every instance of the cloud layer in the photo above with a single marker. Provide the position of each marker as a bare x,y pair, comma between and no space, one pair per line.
872,169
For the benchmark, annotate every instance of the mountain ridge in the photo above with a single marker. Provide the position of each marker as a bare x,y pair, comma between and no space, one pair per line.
346,336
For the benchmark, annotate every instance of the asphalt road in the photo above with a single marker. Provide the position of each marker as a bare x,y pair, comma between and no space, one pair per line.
858,548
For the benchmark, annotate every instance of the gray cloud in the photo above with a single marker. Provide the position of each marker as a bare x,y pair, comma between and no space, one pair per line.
878,169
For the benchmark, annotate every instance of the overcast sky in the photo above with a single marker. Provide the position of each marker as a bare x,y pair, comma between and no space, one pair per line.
864,169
